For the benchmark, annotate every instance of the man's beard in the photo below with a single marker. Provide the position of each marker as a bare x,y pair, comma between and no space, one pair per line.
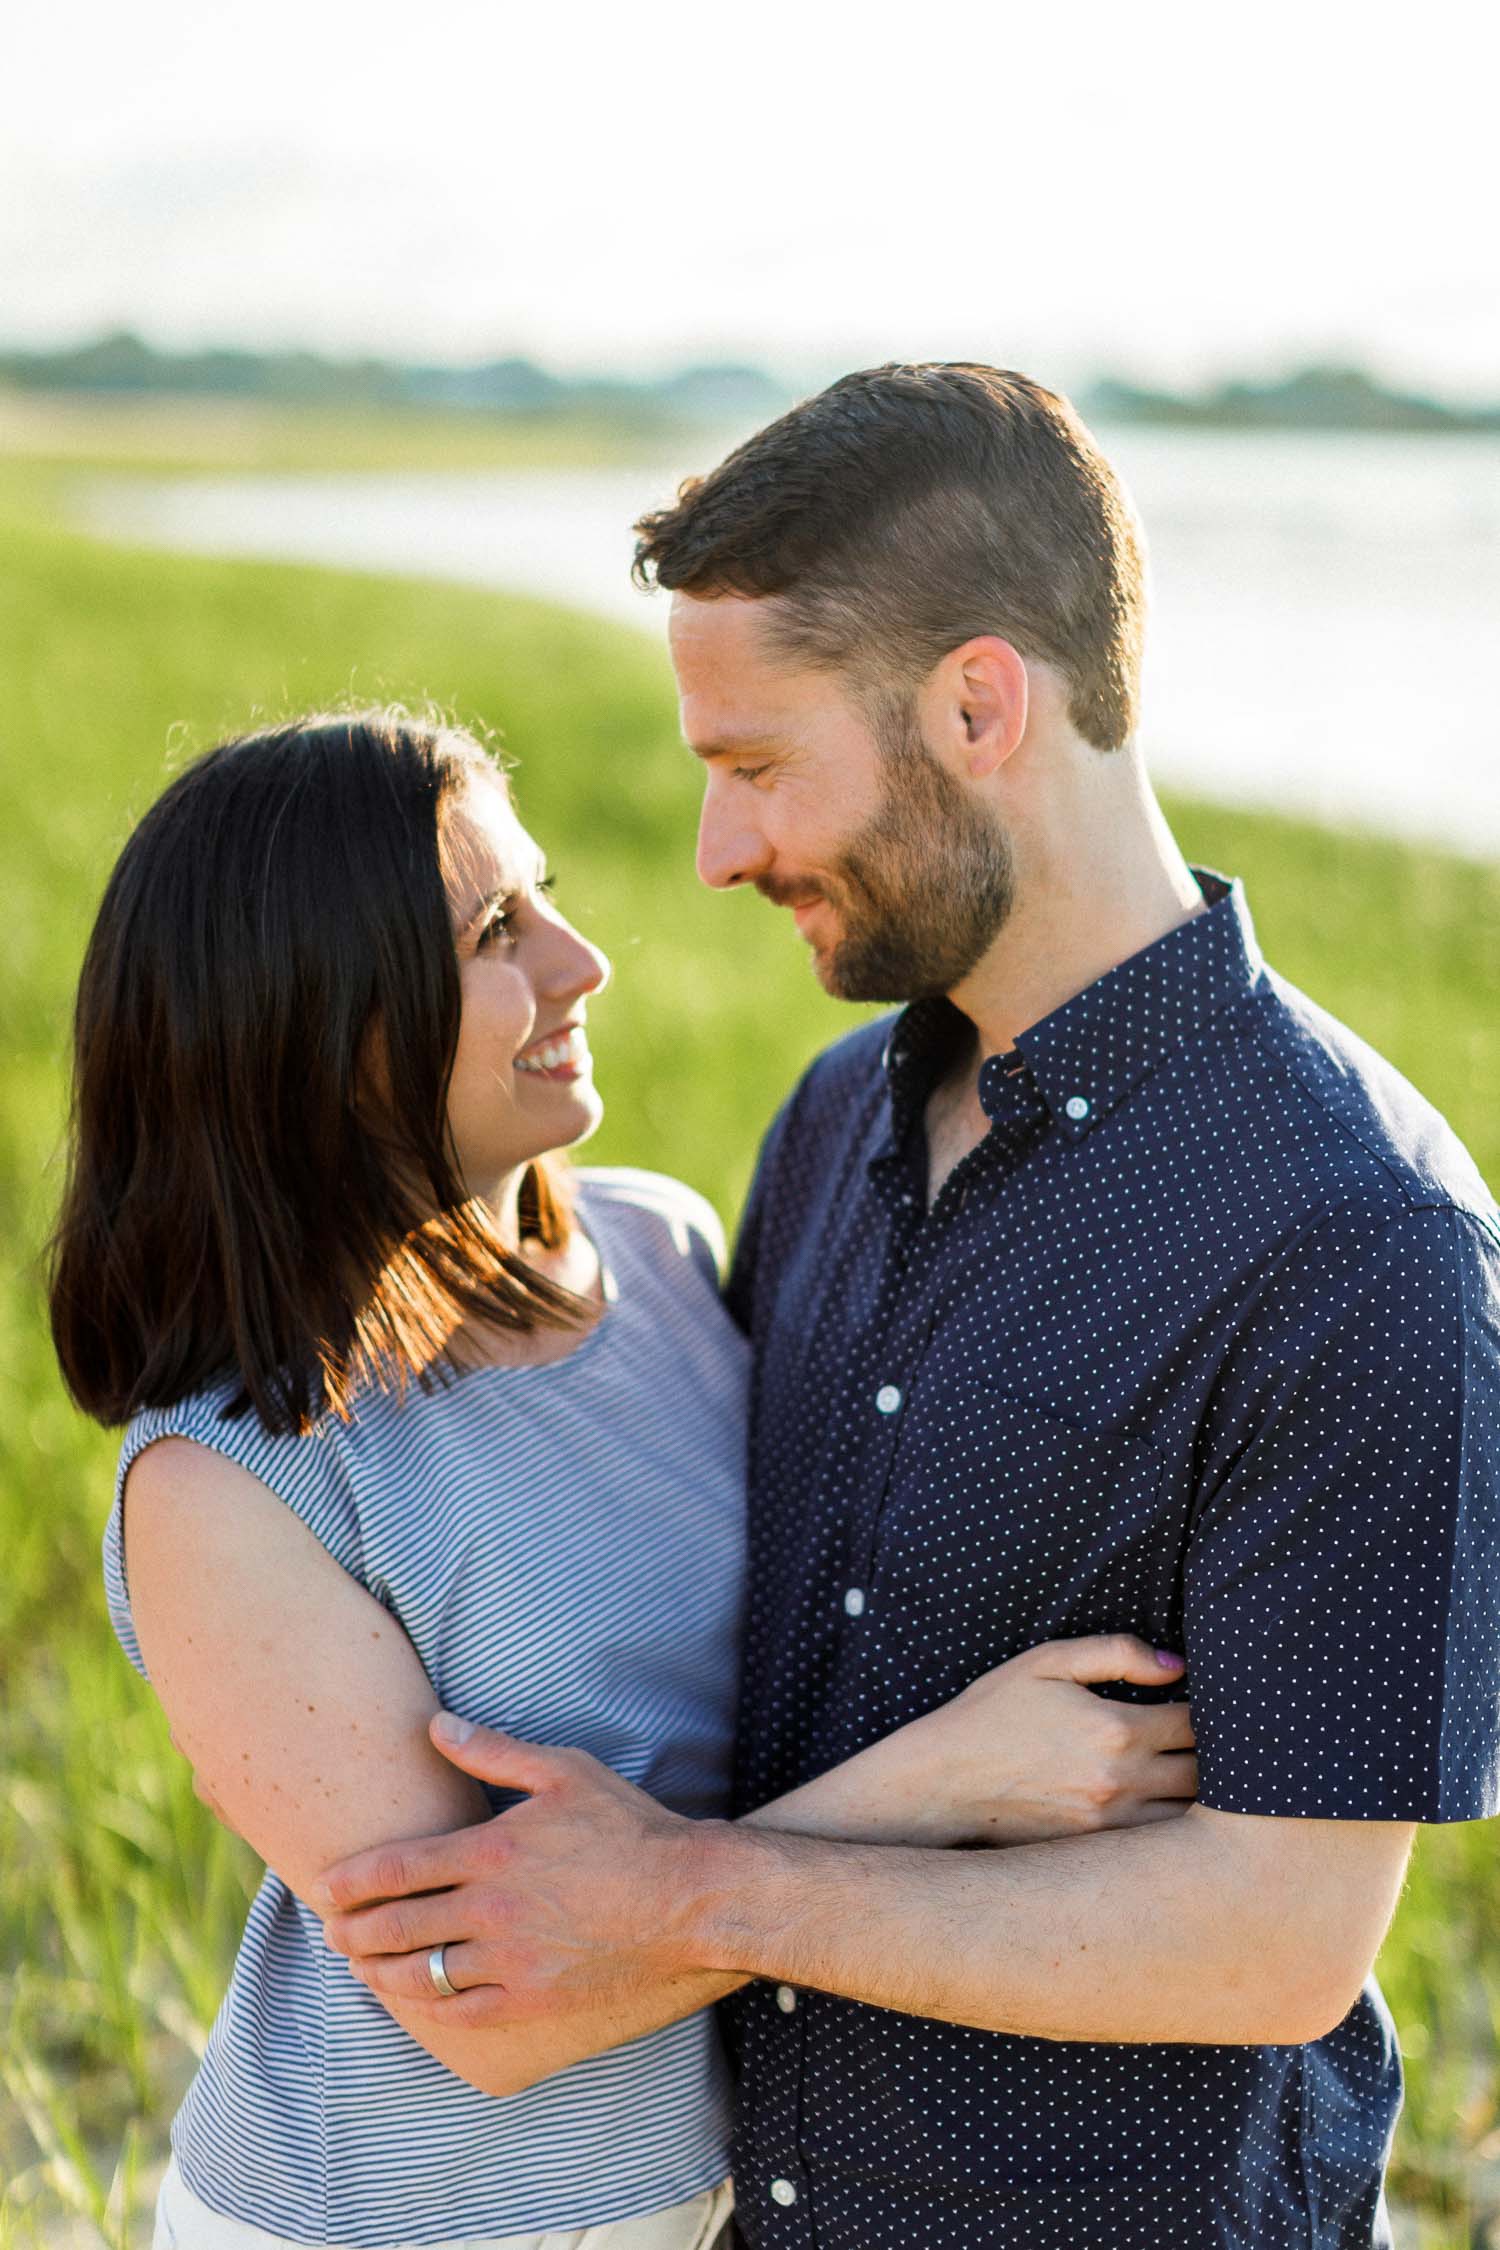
923,888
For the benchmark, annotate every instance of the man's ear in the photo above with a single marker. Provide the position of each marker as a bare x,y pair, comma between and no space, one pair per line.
974,706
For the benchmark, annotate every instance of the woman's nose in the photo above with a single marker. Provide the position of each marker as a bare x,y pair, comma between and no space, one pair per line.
578,966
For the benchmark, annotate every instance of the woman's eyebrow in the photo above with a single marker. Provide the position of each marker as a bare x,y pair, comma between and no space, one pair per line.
497,897
482,905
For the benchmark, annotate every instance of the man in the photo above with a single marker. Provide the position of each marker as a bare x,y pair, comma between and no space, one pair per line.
1113,1286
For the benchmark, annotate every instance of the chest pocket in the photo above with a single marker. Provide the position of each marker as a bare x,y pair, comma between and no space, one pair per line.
1004,1526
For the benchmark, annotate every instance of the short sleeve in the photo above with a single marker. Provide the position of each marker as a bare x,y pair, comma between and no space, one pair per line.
693,1225
309,1474
1342,1582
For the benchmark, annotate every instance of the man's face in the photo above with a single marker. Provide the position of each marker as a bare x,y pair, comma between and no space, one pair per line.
898,877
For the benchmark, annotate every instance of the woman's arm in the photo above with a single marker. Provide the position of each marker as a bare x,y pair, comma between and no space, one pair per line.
303,1708
1024,1755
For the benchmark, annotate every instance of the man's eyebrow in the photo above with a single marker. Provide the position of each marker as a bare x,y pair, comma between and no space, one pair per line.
735,745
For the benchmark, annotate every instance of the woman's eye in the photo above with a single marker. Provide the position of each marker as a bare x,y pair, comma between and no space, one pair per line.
498,925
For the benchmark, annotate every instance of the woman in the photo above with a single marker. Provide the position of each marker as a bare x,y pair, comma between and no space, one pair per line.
411,1422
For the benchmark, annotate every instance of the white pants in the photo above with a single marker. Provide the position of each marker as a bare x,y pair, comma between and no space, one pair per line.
185,2222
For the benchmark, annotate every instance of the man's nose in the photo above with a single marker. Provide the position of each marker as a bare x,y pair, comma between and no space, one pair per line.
731,849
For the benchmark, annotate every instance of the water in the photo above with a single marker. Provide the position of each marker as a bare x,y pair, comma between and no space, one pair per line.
1325,621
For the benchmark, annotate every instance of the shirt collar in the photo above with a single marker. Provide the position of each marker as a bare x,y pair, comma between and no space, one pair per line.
1087,1055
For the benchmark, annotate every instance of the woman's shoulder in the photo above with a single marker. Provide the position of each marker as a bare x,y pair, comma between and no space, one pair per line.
666,1216
221,1418
311,1473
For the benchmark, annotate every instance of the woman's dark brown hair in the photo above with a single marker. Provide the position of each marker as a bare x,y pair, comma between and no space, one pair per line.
238,1203
906,510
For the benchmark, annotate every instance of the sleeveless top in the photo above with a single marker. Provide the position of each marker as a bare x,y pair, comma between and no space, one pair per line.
564,1546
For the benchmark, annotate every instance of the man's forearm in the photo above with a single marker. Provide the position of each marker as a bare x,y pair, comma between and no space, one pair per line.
1206,1929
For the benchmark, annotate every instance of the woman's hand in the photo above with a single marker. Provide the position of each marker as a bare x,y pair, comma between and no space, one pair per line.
1025,1753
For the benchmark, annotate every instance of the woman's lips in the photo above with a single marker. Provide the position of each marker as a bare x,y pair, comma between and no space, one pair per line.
562,1055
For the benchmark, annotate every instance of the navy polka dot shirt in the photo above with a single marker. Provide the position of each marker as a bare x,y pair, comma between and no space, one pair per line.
1201,1342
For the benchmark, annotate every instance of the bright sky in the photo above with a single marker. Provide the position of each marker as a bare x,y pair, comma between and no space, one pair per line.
1169,189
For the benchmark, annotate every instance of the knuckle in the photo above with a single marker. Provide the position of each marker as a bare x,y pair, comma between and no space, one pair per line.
484,2009
394,1932
483,1850
1115,1735
388,1873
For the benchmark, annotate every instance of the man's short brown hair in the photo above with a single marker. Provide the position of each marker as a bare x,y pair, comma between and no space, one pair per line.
908,509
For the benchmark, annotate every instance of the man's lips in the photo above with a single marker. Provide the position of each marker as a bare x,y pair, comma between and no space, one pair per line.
798,902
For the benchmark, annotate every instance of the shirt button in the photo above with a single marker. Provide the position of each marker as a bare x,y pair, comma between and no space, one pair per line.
854,1601
782,2191
887,1398
1077,1107
786,1999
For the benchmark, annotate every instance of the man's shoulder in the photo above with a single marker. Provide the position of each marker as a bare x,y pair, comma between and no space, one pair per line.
1376,1135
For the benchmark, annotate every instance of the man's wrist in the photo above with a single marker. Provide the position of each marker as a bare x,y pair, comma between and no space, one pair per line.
733,1881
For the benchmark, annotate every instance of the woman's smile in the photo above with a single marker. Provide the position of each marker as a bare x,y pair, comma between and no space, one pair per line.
561,1055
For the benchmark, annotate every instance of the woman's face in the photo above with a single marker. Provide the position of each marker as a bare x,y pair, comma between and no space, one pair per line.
523,1076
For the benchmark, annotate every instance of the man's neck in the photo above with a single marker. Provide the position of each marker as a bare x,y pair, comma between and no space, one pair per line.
1070,926
1074,921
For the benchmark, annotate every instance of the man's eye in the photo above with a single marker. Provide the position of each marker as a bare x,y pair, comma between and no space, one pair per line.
747,773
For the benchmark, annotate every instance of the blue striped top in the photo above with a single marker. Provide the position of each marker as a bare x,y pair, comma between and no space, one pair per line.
564,1546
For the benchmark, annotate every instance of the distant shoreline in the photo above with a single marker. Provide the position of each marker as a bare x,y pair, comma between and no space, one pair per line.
122,369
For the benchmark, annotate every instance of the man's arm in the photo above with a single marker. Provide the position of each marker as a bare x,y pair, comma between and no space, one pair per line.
1216,1928
1212,1927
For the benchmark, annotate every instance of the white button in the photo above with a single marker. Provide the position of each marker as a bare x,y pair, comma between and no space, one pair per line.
782,2191
1077,1108
887,1398
786,1999
854,1602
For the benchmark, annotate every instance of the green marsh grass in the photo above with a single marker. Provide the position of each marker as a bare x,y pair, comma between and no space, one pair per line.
122,1900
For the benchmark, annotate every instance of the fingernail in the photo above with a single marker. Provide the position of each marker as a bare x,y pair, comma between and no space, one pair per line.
1165,1657
448,1727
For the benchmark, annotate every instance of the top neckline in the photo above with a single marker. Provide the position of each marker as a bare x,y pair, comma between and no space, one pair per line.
586,1343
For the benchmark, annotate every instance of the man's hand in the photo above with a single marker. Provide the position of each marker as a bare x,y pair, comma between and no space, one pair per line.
569,1900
